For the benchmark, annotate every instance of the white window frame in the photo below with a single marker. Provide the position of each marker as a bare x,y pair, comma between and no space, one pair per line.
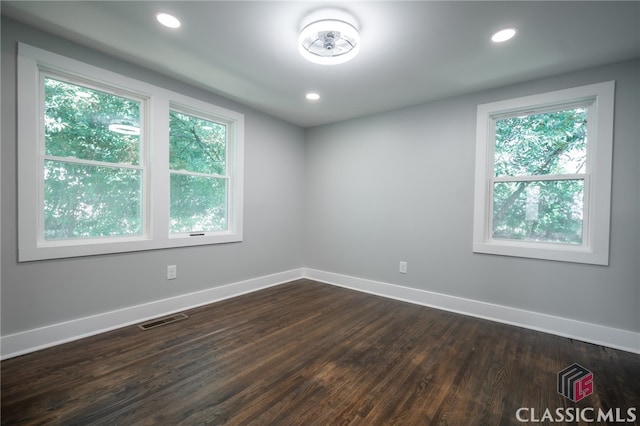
33,63
597,177
230,150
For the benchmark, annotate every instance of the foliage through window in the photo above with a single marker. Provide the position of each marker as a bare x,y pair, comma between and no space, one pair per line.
197,159
92,174
543,175
110,164
552,148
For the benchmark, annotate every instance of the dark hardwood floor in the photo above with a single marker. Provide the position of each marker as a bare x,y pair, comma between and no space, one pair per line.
306,353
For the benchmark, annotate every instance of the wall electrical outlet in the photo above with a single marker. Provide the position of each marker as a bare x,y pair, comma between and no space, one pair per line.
172,272
403,267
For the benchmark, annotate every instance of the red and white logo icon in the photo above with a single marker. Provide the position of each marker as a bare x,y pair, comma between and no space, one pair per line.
575,382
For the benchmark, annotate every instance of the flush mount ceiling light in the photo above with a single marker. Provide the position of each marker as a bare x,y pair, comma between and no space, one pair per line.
312,96
329,42
167,20
503,35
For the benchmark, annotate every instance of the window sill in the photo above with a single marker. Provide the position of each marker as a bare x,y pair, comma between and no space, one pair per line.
122,246
544,251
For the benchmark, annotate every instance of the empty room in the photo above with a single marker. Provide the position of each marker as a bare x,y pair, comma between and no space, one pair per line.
320,213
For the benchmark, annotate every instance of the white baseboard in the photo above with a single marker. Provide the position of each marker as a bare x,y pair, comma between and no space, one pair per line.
593,333
55,334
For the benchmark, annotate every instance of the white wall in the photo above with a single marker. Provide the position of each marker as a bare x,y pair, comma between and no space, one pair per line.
399,186
36,294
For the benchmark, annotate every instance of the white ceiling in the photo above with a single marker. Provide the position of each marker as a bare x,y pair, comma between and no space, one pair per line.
412,52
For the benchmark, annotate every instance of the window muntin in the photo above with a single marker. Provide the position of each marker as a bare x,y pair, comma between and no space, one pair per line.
198,203
543,175
128,173
91,171
199,183
549,211
536,193
90,201
197,144
547,143
89,124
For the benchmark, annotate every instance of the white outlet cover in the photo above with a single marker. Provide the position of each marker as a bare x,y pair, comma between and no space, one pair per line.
172,272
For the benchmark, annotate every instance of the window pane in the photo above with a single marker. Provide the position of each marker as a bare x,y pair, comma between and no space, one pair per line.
542,144
547,211
83,201
197,145
90,125
198,204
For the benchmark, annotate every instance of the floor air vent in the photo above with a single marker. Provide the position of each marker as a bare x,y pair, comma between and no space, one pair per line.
162,321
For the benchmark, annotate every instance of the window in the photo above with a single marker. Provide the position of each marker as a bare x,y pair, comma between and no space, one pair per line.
93,169
197,159
543,175
110,164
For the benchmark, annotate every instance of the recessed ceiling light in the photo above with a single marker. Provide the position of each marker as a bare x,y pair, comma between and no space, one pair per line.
312,96
503,35
329,42
167,20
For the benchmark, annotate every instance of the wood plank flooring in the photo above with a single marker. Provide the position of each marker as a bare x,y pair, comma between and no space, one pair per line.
306,353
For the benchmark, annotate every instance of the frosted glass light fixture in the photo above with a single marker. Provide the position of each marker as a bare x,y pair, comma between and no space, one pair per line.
329,42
